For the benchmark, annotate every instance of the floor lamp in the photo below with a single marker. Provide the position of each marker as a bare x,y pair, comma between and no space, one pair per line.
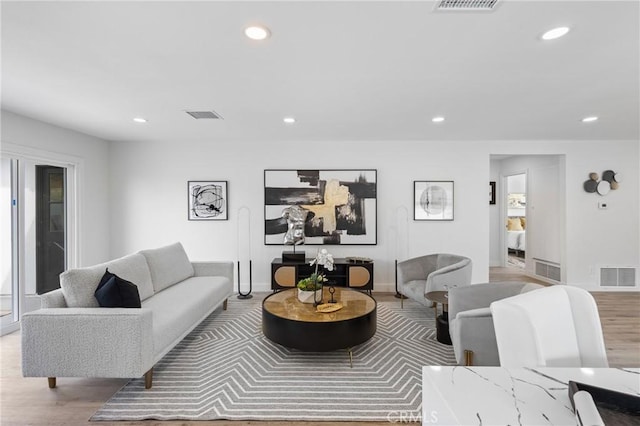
244,223
402,234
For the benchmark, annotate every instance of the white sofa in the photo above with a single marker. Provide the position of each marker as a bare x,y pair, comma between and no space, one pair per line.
72,336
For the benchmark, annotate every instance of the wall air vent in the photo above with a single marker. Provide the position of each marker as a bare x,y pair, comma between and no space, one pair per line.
202,115
466,5
549,270
618,277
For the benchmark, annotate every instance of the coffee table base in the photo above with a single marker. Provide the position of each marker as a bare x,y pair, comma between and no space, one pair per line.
320,336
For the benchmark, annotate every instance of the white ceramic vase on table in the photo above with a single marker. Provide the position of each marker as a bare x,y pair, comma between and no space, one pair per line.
308,296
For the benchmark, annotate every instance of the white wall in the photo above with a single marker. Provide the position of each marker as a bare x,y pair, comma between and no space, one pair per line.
34,137
133,195
148,198
602,237
517,184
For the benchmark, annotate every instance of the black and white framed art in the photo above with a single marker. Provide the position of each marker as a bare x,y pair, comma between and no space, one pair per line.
432,200
208,200
342,205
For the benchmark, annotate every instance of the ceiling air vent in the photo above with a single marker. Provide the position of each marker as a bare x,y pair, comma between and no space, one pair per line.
202,115
466,5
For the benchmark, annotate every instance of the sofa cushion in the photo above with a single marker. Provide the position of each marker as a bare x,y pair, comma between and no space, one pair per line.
168,265
196,297
114,292
79,285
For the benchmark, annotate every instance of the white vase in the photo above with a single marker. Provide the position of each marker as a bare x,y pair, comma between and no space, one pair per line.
307,296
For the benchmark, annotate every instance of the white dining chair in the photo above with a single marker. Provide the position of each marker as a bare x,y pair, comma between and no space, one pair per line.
556,326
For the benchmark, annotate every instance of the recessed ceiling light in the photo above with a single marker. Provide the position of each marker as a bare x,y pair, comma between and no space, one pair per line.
555,33
256,32
590,119
140,120
289,120
438,119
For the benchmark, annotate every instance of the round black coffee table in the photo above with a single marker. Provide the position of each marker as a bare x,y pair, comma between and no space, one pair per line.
290,323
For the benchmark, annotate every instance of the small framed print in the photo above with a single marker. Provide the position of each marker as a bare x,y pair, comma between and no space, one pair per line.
492,192
433,200
208,200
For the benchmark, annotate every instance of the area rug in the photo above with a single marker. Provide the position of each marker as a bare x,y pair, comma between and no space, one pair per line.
227,369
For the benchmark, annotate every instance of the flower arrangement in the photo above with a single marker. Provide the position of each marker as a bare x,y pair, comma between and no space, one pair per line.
314,282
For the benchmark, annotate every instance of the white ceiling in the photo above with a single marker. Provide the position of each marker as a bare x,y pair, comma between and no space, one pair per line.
346,70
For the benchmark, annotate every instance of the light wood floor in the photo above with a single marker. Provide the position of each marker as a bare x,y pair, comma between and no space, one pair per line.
28,401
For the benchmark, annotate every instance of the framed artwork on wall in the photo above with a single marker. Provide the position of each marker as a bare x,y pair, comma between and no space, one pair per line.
341,204
432,200
492,192
208,200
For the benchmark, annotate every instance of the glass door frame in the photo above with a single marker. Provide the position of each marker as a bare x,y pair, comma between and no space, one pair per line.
9,322
74,166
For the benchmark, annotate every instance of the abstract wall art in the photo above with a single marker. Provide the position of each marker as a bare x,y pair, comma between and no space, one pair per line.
433,200
208,200
610,181
342,205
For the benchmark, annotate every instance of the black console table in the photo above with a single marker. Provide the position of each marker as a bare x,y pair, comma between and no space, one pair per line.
357,275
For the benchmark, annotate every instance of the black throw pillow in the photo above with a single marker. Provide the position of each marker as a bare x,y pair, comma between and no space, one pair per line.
114,292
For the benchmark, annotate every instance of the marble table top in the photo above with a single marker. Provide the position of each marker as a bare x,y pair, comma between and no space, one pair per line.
512,396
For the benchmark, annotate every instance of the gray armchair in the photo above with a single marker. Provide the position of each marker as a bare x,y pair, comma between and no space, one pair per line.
420,275
471,324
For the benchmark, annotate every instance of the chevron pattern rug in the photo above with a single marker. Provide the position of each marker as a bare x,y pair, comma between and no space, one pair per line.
227,369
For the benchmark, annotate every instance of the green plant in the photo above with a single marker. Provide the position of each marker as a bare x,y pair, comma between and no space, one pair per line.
312,283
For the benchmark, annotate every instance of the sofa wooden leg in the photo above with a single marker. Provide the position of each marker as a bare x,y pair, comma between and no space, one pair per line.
148,379
52,382
224,304
468,358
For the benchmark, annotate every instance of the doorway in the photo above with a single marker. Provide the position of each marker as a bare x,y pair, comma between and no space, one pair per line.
537,205
516,205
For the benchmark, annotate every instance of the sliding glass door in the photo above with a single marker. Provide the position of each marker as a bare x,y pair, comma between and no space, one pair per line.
50,227
34,224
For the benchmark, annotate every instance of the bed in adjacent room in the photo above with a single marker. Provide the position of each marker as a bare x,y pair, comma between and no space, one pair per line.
516,234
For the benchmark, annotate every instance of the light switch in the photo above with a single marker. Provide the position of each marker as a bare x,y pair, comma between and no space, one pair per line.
602,205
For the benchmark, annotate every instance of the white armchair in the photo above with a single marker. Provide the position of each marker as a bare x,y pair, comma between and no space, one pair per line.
471,324
432,272
556,326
